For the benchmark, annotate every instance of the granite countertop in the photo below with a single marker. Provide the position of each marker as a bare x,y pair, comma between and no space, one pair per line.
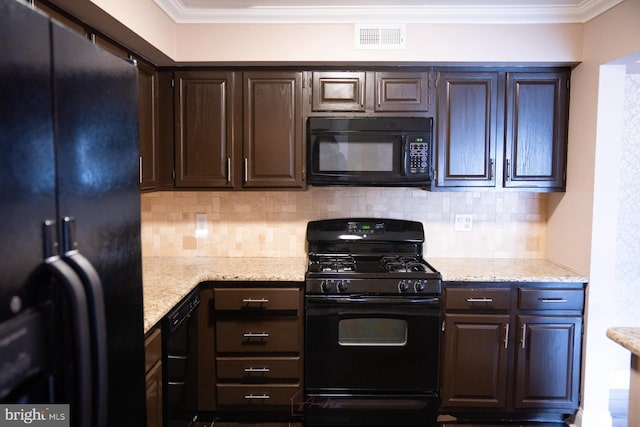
166,280
627,337
504,270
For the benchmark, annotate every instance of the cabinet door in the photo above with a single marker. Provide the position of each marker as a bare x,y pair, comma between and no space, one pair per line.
548,362
338,91
203,127
148,126
536,130
273,144
402,91
467,105
154,396
475,360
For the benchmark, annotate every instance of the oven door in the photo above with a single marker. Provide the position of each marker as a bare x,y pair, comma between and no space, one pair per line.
372,344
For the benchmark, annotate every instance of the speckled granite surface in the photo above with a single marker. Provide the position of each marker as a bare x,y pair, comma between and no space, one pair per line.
627,337
504,270
166,280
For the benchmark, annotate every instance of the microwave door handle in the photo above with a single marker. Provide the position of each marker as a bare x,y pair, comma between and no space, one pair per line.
405,155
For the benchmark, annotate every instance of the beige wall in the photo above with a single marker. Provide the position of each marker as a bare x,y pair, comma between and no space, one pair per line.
334,42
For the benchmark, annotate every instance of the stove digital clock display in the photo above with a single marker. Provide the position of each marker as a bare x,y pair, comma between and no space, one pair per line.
365,228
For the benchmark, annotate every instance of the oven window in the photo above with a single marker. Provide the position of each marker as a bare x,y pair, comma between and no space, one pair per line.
372,332
352,156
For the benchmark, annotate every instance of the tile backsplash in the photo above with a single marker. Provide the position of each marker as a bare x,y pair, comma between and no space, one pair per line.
273,223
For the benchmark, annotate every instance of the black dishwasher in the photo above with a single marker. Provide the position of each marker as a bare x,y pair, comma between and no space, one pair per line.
180,363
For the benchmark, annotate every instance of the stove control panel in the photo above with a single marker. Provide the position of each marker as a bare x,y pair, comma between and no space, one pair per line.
378,286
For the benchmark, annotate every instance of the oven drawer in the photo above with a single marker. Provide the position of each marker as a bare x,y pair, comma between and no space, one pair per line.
256,395
478,299
257,299
258,369
279,334
550,299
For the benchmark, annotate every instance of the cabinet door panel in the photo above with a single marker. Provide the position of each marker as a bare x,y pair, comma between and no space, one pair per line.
548,362
275,334
273,151
536,131
203,129
148,126
467,121
338,91
474,361
402,91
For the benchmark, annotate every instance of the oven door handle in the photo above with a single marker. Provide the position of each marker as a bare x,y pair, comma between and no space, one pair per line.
361,299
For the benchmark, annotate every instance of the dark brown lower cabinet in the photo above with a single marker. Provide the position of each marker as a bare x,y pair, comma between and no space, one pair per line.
251,353
511,350
153,369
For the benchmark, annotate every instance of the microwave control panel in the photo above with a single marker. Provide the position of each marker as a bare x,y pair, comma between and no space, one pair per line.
418,157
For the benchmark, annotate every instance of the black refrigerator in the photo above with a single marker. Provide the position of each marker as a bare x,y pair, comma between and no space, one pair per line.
71,319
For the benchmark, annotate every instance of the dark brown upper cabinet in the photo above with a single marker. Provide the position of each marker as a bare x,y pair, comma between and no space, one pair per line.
273,151
338,91
536,130
370,92
501,129
402,91
204,129
467,121
148,126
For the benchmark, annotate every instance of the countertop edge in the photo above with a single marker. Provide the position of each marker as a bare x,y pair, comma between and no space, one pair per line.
627,337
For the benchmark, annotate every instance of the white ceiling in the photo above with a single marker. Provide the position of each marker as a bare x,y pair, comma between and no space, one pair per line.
384,11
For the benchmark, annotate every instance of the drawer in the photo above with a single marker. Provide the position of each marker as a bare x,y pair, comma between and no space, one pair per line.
279,334
478,299
257,299
550,299
256,395
256,369
152,349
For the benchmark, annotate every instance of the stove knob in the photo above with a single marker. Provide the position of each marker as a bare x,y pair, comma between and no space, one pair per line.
343,286
403,286
325,286
420,286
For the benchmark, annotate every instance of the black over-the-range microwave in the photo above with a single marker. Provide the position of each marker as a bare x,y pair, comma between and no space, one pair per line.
370,151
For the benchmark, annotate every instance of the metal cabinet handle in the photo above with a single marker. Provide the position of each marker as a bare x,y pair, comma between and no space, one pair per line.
246,169
256,335
523,339
255,300
228,169
492,167
257,370
552,300
508,170
379,93
506,336
140,168
256,396
479,299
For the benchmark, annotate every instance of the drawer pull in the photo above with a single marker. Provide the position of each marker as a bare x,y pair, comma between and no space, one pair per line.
552,300
250,370
256,396
479,299
255,300
256,334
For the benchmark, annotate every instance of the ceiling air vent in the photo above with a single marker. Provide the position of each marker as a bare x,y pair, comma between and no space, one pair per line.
380,36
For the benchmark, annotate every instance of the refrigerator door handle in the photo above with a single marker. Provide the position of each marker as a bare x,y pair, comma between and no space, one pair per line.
82,351
97,319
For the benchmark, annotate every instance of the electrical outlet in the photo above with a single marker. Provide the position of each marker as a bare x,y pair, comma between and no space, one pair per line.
464,222
201,225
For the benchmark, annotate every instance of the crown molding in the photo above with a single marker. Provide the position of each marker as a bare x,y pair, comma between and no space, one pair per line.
438,12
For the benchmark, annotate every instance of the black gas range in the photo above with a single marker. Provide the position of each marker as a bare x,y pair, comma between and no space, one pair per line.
368,256
372,311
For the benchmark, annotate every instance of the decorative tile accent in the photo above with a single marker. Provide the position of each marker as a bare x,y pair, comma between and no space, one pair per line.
273,223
